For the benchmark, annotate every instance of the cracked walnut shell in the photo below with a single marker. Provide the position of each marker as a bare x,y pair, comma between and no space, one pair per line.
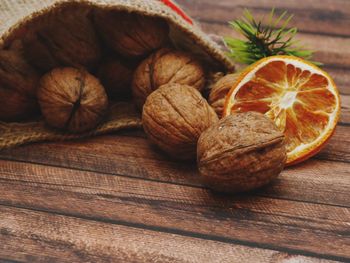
116,78
174,116
219,91
131,34
18,86
241,152
67,39
72,99
164,67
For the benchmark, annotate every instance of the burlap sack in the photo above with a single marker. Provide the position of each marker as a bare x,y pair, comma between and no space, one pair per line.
16,16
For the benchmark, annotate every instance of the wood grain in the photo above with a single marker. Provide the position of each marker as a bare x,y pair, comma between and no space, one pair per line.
55,238
115,154
341,77
338,147
180,209
332,51
294,183
316,17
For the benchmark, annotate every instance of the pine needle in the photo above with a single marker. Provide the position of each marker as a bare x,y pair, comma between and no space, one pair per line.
264,41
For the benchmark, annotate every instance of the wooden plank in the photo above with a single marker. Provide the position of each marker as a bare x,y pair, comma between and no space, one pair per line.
341,77
338,147
345,110
113,154
325,17
116,154
330,50
264,222
328,179
2,260
314,181
41,237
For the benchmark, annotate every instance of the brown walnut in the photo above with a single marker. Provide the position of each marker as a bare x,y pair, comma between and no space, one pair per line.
174,116
164,67
72,99
68,39
241,152
219,91
18,86
116,77
131,34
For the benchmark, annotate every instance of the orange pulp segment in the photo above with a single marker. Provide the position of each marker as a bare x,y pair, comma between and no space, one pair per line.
299,97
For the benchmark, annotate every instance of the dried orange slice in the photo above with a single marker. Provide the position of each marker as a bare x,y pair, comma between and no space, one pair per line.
299,97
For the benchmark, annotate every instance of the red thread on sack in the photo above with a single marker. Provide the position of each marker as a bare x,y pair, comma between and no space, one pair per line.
178,10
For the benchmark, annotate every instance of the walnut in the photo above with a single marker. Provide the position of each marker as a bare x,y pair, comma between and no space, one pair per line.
219,91
18,86
68,39
241,152
116,77
72,99
174,116
131,34
164,67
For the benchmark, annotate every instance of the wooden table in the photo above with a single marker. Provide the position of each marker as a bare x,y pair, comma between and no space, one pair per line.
115,198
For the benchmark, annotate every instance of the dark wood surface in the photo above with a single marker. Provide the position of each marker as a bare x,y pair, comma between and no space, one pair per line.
116,198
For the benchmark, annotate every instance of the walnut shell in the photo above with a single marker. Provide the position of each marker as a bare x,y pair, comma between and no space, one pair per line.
72,99
174,116
164,67
241,152
219,90
131,34
116,78
18,86
69,39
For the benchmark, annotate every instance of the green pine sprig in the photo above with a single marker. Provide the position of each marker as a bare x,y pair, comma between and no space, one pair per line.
264,41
